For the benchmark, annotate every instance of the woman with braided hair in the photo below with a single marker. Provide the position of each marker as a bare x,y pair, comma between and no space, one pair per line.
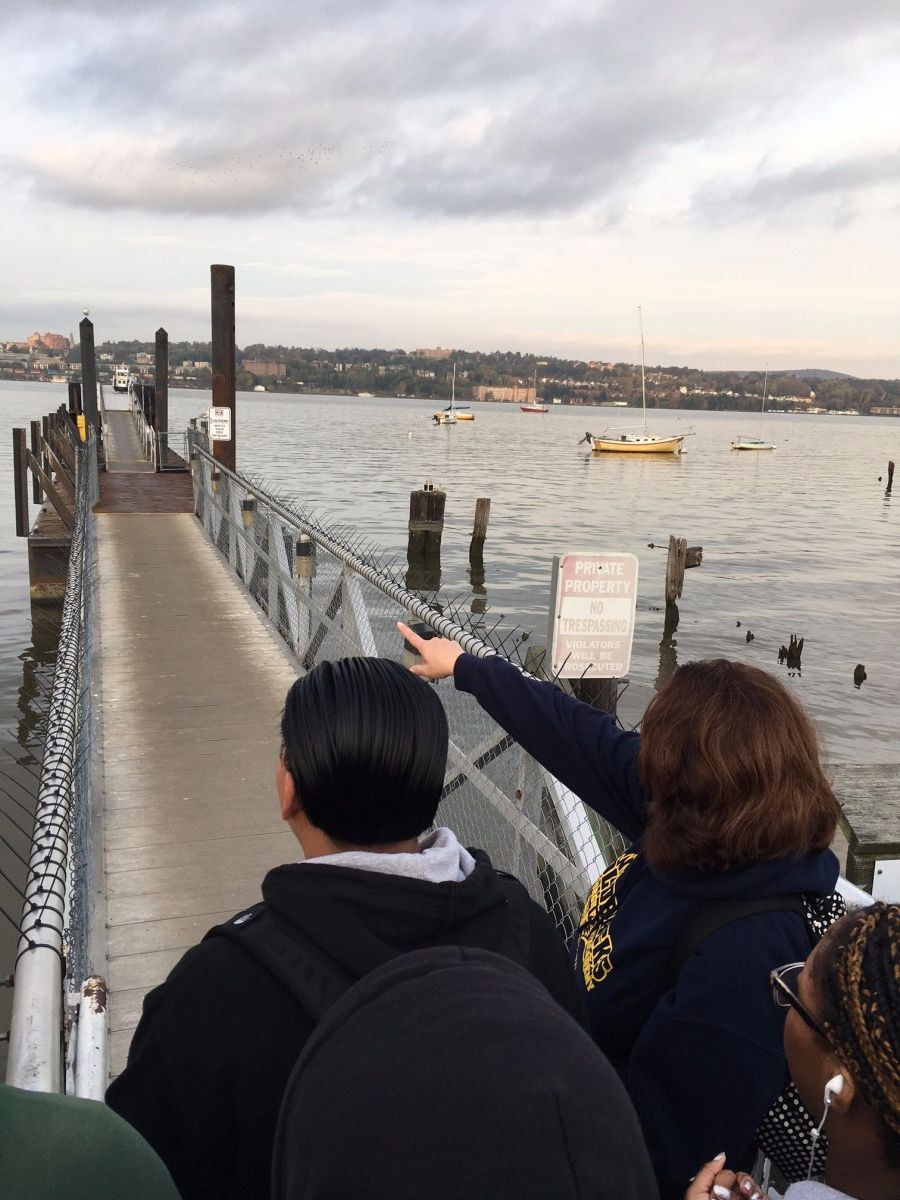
842,1044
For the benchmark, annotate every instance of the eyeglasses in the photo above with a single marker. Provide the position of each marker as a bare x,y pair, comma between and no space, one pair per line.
784,993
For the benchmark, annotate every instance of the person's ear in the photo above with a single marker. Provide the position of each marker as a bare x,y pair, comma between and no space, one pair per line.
287,791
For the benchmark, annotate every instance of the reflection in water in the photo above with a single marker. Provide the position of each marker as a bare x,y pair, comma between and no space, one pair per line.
479,604
423,576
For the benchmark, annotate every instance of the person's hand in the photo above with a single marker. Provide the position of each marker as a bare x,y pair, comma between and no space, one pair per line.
715,1182
438,655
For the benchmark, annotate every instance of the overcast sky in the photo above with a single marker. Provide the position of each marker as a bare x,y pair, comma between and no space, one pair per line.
475,173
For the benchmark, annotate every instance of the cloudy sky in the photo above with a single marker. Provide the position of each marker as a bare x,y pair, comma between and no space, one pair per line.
475,173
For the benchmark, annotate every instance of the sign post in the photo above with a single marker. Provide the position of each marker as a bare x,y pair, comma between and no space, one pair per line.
592,615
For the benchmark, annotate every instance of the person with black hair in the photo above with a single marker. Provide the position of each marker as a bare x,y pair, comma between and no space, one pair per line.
359,779
842,1044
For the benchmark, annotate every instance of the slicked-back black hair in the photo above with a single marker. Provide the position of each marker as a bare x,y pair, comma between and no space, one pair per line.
365,743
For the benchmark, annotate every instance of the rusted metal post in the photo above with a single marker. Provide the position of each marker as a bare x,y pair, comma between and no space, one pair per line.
36,494
223,363
20,482
88,373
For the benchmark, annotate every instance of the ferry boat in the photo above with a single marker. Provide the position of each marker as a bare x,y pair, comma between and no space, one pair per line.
121,379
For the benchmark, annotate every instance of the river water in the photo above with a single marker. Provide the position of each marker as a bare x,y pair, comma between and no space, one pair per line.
800,540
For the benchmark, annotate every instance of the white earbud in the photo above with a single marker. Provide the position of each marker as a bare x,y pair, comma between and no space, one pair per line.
833,1087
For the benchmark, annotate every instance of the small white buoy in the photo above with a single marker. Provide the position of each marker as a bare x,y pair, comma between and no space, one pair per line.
409,434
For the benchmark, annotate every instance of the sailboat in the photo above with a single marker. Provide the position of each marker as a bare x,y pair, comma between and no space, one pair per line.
453,412
535,407
643,442
756,443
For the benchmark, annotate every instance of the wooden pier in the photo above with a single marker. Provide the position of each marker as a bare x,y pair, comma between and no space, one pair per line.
190,686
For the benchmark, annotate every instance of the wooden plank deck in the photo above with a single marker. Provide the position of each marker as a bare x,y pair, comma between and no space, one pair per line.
191,681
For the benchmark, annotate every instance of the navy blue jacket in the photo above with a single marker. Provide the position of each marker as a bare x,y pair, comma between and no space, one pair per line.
703,1059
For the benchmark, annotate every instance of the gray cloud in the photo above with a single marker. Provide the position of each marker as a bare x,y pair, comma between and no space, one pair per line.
428,108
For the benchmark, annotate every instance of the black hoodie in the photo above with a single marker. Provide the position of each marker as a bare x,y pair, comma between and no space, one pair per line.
218,1039
451,1073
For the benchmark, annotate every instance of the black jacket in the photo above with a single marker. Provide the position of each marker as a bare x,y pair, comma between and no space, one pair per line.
450,1074
218,1039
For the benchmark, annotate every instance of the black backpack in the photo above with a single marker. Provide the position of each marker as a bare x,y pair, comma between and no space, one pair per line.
785,1135
312,976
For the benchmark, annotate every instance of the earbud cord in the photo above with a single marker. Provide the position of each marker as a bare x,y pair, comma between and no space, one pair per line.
816,1134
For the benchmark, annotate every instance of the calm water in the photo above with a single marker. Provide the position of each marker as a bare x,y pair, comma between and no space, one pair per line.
801,540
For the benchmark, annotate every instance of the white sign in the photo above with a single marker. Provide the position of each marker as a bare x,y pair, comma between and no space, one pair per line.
592,619
220,424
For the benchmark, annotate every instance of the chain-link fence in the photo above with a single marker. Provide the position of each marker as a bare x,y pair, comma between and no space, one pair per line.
330,595
53,955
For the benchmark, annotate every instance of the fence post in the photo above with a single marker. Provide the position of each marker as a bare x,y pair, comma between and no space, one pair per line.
223,363
37,494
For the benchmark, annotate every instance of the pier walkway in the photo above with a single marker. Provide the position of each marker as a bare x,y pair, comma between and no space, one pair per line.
189,694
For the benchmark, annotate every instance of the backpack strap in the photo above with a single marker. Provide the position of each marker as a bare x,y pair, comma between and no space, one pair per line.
312,978
714,915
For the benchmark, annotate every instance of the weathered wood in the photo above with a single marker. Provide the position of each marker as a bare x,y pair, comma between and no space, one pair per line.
20,482
482,517
675,565
64,509
75,408
36,494
426,522
890,482
599,693
870,817
161,381
791,653
88,373
693,557
223,357
64,479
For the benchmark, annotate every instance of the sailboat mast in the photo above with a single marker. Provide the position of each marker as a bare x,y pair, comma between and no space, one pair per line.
453,388
763,409
643,383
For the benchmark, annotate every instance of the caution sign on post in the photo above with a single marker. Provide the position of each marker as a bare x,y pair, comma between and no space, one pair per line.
219,424
592,615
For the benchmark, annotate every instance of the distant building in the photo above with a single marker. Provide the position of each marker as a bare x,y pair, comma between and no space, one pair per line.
512,395
885,410
53,341
434,352
264,369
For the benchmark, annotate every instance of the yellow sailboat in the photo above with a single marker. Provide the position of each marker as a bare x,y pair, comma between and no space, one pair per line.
642,442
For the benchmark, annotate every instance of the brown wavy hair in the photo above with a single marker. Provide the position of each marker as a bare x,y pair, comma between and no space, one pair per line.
730,761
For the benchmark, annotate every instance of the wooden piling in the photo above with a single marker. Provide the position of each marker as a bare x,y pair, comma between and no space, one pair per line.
75,408
599,693
426,522
675,567
890,482
223,357
482,516
37,494
20,482
88,373
161,380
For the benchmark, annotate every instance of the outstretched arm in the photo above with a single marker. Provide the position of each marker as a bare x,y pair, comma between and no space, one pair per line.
581,746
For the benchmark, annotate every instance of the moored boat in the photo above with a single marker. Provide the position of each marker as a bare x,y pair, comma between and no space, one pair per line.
121,379
535,407
450,415
743,441
642,442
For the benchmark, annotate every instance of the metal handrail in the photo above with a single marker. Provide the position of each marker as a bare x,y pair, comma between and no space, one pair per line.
585,849
36,1028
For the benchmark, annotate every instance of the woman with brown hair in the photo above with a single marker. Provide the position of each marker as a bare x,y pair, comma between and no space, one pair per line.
729,874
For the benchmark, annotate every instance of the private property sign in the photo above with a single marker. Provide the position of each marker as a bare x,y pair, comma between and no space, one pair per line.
592,617
219,424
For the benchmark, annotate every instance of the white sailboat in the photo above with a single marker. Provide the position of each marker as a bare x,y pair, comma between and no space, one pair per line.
643,442
743,442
